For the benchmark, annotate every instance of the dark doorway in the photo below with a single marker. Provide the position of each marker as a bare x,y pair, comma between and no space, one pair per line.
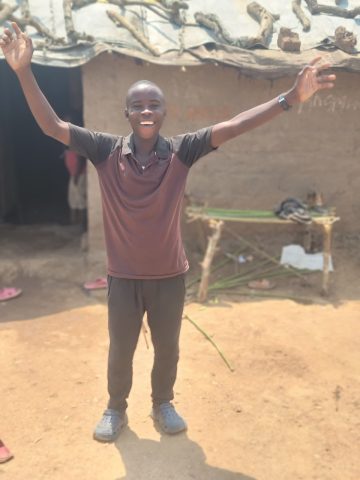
33,177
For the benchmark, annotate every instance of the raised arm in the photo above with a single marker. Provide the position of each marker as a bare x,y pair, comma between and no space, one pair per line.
311,79
18,50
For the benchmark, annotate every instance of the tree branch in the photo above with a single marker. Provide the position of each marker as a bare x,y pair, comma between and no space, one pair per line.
213,23
316,8
266,20
299,12
119,19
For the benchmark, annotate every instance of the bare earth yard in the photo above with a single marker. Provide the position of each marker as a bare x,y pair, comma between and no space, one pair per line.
288,411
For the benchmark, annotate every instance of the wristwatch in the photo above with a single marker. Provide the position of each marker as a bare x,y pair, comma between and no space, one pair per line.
283,103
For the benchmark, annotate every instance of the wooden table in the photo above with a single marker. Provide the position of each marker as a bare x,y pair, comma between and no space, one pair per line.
216,218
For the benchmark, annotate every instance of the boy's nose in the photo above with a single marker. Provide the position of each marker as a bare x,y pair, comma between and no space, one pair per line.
146,111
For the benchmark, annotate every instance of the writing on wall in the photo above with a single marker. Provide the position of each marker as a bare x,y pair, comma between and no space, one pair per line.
330,102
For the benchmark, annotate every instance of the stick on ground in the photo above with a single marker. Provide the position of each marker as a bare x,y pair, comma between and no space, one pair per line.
211,341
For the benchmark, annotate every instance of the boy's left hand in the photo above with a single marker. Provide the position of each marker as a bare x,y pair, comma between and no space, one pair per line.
311,79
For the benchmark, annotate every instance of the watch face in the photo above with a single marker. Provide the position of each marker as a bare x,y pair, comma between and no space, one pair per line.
283,103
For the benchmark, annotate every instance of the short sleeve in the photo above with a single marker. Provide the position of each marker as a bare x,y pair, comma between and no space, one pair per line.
95,146
192,146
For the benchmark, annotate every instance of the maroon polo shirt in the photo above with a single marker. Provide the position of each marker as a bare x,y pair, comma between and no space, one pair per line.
142,204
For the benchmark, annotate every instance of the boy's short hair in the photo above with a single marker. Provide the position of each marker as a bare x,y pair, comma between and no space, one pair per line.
142,82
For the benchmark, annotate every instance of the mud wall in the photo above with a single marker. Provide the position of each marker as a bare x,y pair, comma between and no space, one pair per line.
315,146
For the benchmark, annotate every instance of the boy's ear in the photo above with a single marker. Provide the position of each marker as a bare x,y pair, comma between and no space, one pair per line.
126,113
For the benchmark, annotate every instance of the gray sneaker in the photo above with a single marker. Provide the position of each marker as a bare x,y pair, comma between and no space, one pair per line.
168,419
110,425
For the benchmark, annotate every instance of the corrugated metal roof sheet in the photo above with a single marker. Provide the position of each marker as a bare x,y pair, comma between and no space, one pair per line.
189,44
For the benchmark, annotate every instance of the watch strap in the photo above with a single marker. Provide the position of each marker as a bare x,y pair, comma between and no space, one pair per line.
283,103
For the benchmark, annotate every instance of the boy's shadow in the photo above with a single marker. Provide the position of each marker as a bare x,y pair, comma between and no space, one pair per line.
171,458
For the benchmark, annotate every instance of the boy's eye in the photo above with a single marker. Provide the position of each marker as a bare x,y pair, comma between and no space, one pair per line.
137,107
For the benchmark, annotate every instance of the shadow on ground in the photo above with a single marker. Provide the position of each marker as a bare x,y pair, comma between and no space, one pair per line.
171,458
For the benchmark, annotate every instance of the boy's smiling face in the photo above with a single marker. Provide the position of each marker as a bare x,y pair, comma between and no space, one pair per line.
145,109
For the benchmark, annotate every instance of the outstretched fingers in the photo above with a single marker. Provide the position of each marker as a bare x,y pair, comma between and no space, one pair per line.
324,66
327,78
6,37
317,67
20,34
17,30
326,82
315,60
319,74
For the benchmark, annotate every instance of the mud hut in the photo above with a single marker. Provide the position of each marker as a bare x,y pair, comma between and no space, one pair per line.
213,60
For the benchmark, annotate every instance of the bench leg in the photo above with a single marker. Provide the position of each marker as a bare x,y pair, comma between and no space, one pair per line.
307,240
208,258
327,230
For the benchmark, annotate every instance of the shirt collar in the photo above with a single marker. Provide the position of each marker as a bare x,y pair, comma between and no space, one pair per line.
162,147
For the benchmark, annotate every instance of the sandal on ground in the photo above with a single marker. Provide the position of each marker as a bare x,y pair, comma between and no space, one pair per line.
5,454
7,293
96,284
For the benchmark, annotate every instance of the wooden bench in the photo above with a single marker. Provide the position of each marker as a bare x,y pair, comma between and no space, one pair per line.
216,218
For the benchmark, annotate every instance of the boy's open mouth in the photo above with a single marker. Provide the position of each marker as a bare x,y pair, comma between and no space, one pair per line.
147,123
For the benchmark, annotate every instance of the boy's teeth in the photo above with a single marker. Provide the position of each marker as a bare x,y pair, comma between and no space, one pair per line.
147,123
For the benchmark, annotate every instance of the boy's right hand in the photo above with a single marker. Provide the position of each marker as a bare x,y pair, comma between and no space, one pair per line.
17,48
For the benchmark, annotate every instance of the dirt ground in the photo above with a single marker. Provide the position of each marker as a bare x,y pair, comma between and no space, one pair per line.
288,411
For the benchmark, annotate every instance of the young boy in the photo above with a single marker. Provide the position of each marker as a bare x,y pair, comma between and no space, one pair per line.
142,179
